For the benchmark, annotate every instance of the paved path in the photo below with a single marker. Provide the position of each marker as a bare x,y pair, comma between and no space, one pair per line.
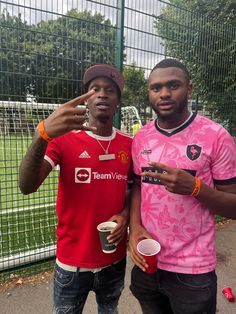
28,299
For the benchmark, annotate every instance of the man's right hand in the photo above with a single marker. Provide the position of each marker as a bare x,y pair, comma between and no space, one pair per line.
137,234
68,117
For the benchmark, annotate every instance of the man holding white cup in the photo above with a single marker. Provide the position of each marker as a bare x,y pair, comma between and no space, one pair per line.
95,162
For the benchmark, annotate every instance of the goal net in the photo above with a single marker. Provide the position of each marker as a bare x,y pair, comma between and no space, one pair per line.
130,120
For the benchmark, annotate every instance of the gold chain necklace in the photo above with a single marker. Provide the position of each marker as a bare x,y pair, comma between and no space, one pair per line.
105,150
106,156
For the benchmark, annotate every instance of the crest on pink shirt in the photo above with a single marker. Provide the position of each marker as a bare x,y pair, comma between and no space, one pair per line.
193,151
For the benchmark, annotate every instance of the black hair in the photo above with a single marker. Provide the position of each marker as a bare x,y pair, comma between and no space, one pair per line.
167,63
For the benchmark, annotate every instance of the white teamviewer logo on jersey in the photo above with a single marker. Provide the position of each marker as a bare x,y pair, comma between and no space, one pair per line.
84,175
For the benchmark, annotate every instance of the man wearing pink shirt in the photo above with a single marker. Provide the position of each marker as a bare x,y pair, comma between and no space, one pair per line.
185,167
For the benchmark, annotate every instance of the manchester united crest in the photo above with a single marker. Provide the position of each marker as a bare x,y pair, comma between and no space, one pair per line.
123,156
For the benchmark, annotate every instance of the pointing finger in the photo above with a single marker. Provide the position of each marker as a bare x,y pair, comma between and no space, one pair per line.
158,171
79,100
160,166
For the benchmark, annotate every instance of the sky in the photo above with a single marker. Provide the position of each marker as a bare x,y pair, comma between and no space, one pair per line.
142,48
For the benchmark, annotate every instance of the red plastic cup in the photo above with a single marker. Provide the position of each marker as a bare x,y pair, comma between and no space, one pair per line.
227,292
149,249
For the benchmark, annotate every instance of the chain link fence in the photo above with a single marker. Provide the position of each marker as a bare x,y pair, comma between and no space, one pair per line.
46,45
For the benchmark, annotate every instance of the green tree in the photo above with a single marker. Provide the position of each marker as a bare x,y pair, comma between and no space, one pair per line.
14,59
135,90
49,59
202,34
65,47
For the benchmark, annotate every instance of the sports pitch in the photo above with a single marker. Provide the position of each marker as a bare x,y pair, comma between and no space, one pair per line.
27,222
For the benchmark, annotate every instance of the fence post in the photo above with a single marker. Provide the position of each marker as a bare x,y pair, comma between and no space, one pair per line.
119,48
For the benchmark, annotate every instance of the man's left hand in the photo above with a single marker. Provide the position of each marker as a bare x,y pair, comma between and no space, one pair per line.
119,231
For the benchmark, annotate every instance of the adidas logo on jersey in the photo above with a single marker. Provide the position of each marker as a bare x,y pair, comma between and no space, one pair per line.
84,155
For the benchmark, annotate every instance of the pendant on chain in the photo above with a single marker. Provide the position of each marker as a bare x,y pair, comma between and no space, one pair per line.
107,157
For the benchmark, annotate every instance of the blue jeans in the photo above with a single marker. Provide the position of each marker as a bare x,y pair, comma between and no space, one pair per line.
168,292
72,288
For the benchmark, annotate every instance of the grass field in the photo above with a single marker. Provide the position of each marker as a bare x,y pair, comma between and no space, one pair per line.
26,222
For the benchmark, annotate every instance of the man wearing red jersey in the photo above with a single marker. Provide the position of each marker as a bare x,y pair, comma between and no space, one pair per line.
95,162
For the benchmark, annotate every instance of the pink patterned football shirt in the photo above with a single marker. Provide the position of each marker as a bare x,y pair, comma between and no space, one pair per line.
182,225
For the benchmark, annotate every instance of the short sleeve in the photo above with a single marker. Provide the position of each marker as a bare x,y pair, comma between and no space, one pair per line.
53,154
224,158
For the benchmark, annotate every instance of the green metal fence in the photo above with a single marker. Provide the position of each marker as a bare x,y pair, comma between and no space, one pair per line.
45,46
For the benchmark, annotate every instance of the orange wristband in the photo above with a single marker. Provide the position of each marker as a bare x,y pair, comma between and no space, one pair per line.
42,132
197,187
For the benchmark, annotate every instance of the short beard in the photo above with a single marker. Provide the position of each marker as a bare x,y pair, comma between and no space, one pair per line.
175,115
103,117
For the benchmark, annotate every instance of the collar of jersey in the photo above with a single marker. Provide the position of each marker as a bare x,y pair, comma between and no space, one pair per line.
167,132
104,138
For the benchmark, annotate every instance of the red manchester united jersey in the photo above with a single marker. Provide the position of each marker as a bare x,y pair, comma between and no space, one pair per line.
91,189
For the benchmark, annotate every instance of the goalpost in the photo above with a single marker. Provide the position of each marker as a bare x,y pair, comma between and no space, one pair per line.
130,120
21,117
